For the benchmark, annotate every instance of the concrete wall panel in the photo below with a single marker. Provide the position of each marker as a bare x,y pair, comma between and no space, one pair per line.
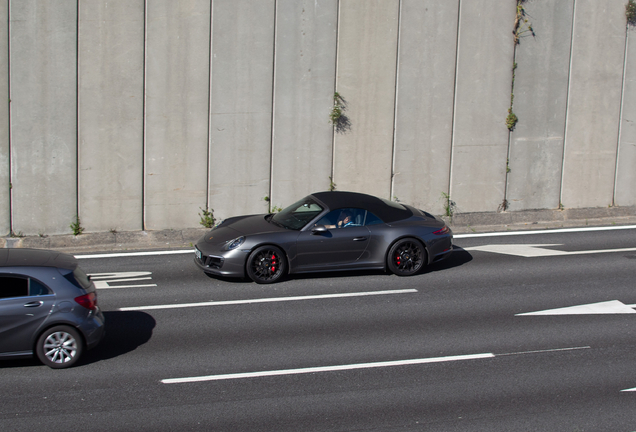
5,187
241,106
43,115
626,173
303,96
367,54
177,104
111,97
424,121
484,72
591,138
540,90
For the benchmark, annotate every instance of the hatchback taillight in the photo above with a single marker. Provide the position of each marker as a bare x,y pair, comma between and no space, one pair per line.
442,231
89,301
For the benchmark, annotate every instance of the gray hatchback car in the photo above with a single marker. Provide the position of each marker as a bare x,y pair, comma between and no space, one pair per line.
48,307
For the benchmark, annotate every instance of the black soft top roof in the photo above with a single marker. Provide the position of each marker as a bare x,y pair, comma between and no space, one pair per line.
36,258
386,210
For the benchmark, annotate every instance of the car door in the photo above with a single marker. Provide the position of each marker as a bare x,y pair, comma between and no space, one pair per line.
338,243
21,314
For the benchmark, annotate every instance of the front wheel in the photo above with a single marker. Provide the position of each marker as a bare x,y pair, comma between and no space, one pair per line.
59,347
266,264
406,257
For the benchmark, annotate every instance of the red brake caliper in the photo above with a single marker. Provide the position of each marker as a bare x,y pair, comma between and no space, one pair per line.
273,263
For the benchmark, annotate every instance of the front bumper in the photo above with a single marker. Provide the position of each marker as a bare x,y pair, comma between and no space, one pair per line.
230,263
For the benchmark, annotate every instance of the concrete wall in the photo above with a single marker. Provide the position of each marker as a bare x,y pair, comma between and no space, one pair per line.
480,137
541,94
111,114
43,77
135,114
596,79
5,188
626,168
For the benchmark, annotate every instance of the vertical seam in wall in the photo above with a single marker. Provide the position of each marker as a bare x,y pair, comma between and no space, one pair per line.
271,143
512,92
567,105
395,101
209,155
144,122
620,116
9,126
452,143
335,89
77,113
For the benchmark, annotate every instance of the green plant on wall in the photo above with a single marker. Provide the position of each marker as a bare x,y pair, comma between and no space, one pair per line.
522,28
337,115
449,205
630,13
332,185
207,217
76,227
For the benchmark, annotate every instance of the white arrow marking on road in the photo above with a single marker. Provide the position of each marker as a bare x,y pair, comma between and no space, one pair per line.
629,390
103,280
602,308
536,250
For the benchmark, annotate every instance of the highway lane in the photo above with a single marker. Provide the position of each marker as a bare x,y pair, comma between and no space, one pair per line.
555,372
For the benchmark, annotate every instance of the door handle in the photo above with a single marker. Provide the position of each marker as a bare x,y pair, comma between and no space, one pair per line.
359,238
34,304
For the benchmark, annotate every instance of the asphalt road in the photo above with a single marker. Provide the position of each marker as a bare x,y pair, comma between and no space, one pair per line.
446,350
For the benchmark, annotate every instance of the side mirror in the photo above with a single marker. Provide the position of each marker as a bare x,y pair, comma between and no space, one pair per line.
319,229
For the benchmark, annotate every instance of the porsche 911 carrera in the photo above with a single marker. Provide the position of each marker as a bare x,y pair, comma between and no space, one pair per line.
325,231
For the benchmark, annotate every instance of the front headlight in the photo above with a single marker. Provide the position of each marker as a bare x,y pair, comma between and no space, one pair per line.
233,244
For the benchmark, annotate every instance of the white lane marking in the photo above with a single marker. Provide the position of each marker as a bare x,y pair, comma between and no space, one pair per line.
133,254
327,368
554,231
268,300
537,250
629,390
103,280
354,366
602,308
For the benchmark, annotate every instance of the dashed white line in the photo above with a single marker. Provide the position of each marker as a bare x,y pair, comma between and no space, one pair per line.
267,300
547,231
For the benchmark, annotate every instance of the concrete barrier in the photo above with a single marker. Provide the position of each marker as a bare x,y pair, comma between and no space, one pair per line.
43,72
367,54
593,110
177,104
482,99
425,91
303,97
625,194
241,106
540,100
5,165
111,114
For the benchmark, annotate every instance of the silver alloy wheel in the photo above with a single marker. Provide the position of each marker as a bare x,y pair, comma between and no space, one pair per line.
60,347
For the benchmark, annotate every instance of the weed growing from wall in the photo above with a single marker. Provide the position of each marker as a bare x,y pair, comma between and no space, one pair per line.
630,13
332,185
449,205
207,217
337,116
76,227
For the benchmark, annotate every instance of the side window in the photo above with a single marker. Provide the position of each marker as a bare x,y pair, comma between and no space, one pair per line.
11,286
37,289
348,217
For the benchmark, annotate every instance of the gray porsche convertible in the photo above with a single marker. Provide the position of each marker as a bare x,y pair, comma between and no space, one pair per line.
325,231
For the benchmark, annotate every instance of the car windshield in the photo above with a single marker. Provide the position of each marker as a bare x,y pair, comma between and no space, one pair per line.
297,215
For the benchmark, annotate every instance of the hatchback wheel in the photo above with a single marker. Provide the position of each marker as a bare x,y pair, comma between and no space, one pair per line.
266,264
406,257
59,347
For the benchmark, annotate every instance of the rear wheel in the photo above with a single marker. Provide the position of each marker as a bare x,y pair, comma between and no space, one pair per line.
59,347
266,264
406,257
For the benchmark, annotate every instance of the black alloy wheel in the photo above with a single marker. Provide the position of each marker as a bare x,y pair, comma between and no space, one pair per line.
406,257
266,264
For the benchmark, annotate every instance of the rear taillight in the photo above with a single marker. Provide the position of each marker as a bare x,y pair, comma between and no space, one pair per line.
442,231
89,301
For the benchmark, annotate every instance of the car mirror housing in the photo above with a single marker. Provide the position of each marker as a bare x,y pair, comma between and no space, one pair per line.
319,229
